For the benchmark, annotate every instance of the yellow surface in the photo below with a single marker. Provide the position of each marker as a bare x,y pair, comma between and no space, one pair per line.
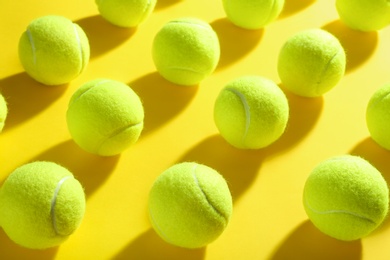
268,220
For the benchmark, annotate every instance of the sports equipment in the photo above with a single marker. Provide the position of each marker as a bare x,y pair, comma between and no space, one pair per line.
105,117
252,14
378,116
311,62
125,13
364,15
185,51
346,197
41,204
53,50
190,205
251,112
3,112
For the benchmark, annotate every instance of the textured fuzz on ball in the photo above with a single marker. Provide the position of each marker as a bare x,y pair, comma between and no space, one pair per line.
3,112
105,117
125,13
252,14
378,116
41,204
53,50
251,112
185,51
364,15
346,197
311,63
190,205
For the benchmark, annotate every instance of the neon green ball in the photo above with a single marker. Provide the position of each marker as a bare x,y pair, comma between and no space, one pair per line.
190,205
252,14
54,50
3,112
186,51
346,198
251,112
41,205
125,13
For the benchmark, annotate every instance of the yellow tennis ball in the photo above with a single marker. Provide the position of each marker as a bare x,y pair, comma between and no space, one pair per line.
378,116
190,205
311,63
125,13
41,205
345,197
54,50
105,117
364,15
252,14
251,112
3,112
185,51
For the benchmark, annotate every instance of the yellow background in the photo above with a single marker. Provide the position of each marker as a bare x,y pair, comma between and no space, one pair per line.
268,221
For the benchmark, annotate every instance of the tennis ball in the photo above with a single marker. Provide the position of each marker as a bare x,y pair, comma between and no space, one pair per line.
125,13
190,205
185,51
41,205
53,50
311,63
105,117
251,112
345,197
252,14
3,112
364,15
378,116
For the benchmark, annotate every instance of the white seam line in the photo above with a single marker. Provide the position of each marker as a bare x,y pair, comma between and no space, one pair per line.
53,203
158,227
247,111
80,47
30,38
338,212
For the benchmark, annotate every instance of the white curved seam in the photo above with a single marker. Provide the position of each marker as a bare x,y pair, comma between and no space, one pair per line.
186,69
80,47
53,203
31,39
158,227
144,11
338,212
204,194
247,111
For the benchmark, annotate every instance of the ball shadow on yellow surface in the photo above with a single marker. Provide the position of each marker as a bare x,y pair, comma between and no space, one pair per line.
292,7
379,158
26,97
102,35
162,4
91,170
359,46
235,42
149,245
162,99
10,250
306,242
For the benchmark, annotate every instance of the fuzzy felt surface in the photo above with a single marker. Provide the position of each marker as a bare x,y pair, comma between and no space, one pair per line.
252,14
311,62
185,51
251,112
53,50
105,117
364,15
41,204
125,13
190,205
346,197
378,116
